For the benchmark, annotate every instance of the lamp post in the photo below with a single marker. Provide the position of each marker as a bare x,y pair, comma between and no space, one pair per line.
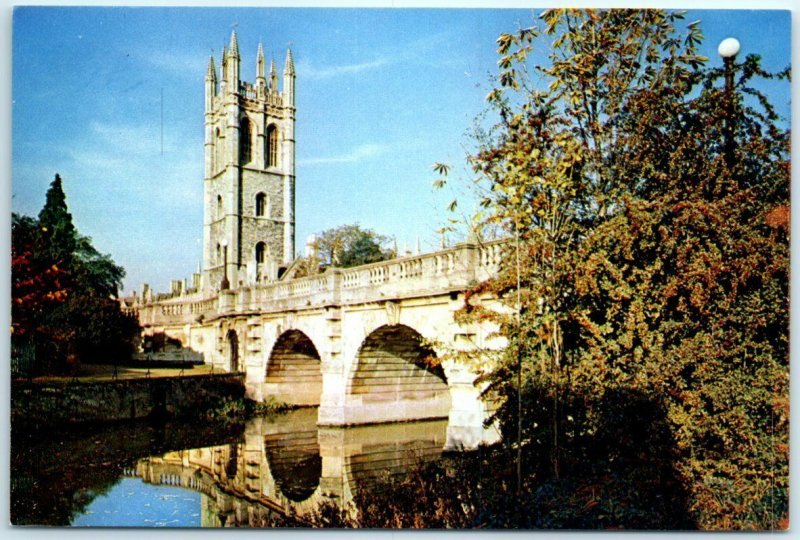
728,48
224,284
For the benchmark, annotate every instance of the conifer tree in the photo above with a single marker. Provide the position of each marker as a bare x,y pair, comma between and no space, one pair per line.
56,222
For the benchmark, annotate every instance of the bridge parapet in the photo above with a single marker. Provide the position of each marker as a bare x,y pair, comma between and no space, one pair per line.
452,269
179,310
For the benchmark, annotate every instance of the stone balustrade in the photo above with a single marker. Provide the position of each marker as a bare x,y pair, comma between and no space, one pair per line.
452,269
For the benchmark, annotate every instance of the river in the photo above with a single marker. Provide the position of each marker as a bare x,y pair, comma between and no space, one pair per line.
200,474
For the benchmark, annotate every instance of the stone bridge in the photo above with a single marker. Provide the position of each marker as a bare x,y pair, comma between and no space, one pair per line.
287,463
365,344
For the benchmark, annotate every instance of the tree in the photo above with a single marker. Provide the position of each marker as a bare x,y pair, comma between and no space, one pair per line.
64,291
648,259
36,287
56,222
346,246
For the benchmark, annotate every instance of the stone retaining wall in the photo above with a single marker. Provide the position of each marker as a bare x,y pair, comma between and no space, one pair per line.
58,403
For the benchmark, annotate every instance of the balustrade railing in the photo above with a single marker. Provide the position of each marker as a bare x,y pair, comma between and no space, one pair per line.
458,267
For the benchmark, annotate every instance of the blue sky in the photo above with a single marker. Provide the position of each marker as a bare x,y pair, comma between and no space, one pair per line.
381,96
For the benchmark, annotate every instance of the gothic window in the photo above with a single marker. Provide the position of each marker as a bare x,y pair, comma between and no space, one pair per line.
219,206
261,250
219,253
272,146
245,140
262,205
219,145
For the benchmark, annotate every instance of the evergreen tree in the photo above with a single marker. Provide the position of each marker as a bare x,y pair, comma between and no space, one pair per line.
56,223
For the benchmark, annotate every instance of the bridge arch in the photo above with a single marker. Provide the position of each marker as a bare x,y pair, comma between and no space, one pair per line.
396,378
294,370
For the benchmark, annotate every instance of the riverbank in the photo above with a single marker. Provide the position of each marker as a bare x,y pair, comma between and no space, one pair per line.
88,400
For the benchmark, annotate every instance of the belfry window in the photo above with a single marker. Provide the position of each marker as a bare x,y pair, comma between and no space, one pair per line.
272,146
262,205
219,253
261,253
245,136
219,206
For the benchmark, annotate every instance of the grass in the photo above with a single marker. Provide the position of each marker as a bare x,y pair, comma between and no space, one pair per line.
105,372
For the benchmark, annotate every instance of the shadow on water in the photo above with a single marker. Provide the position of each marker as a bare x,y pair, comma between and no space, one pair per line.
615,464
605,463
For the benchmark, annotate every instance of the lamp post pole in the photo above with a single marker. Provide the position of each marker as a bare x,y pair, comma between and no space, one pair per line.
728,49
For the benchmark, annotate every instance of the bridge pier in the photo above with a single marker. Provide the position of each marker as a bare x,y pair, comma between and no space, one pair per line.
465,425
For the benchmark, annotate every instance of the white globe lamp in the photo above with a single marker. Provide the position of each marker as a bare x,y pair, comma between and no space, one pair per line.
728,48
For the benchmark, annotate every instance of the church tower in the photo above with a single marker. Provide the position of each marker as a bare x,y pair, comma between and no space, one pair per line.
248,219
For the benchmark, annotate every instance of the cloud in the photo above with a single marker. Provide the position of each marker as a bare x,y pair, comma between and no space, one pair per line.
307,71
184,63
412,51
359,153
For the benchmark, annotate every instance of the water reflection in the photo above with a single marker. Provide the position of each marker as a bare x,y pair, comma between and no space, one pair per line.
247,475
286,463
56,474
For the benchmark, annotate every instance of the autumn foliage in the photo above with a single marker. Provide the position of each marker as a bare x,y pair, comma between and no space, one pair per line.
648,215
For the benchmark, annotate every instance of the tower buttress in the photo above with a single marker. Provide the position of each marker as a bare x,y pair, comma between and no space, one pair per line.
211,93
289,158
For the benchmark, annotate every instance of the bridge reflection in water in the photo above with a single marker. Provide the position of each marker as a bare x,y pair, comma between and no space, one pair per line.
287,463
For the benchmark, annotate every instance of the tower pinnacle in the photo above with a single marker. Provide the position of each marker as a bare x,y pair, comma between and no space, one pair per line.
260,66
212,70
273,76
289,67
223,62
234,46
211,83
